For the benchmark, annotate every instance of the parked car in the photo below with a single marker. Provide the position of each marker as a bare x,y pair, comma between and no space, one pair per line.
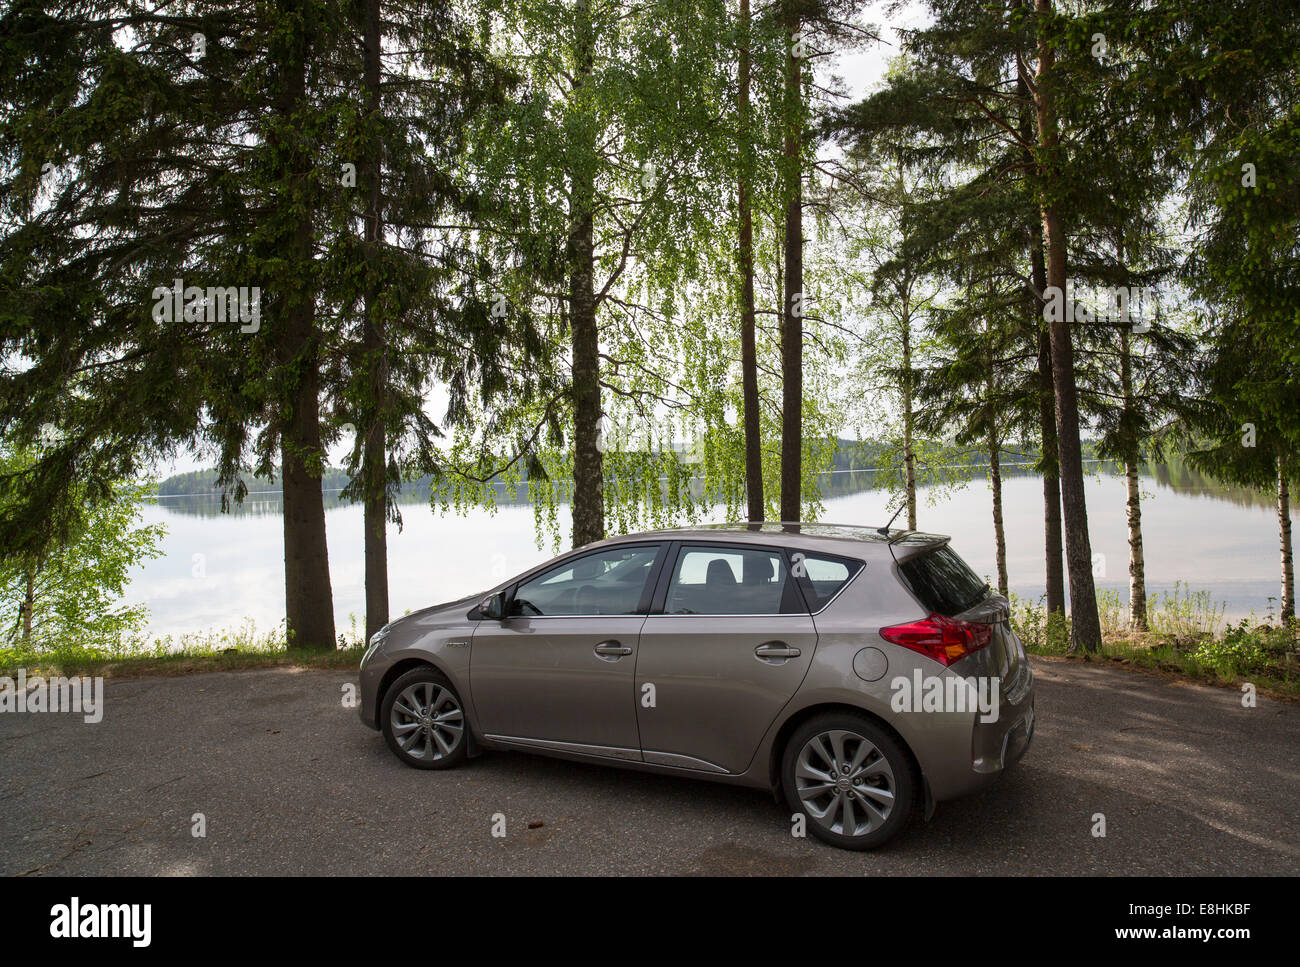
834,665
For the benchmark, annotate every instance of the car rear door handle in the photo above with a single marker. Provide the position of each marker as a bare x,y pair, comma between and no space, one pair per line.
776,652
611,651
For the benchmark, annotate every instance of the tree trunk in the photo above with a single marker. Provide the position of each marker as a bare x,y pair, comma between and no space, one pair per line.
27,609
1284,531
748,352
792,314
1084,619
999,532
1085,623
995,476
1052,539
374,458
1137,585
588,461
308,599
909,458
1137,588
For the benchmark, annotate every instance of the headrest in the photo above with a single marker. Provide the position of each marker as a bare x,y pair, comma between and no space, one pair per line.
719,573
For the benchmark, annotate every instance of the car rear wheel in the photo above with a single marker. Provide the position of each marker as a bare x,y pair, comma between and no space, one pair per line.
424,721
850,778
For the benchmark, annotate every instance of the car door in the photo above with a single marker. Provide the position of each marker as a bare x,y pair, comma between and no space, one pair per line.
557,672
726,646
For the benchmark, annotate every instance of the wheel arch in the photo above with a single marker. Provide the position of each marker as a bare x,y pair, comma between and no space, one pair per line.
397,670
808,712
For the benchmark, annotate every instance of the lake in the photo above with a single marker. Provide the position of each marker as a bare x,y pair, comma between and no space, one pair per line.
218,569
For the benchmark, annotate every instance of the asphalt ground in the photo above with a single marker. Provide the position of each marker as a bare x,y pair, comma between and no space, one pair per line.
288,781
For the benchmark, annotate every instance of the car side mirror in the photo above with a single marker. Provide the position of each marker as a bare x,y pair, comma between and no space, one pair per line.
493,607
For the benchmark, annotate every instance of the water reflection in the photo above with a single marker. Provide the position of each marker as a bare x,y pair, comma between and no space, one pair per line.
219,568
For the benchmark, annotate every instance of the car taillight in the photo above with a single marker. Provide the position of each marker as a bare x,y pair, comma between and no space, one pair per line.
941,638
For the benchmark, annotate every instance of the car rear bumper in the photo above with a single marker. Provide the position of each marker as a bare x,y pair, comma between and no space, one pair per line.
995,746
996,750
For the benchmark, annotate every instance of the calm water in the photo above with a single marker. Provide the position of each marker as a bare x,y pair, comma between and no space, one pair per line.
218,569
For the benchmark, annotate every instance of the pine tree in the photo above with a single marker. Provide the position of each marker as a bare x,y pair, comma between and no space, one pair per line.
164,287
402,274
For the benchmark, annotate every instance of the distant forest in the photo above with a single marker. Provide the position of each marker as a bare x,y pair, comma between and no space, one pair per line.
850,455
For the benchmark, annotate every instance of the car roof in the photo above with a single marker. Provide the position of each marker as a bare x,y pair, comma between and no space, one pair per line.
853,540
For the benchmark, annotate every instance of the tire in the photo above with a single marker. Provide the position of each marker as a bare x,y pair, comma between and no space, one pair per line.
422,705
880,789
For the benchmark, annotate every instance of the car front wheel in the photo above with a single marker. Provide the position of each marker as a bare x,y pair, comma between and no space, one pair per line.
424,721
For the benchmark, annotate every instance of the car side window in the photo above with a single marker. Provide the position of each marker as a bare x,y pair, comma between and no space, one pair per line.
731,580
821,576
605,582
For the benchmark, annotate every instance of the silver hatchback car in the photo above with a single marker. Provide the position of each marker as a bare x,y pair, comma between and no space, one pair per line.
861,674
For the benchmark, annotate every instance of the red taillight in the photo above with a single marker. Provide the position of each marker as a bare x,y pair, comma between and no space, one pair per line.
940,638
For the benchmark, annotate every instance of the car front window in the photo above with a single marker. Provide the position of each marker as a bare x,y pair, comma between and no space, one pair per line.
606,582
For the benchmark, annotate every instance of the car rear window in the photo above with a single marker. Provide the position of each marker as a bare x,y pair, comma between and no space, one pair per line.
943,582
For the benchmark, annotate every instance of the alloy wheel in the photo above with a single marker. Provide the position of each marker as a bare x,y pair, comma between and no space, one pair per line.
427,721
844,783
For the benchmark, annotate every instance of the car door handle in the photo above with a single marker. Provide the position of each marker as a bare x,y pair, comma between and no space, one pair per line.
776,651
611,651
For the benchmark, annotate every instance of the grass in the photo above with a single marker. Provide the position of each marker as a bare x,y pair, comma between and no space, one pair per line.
1187,638
222,650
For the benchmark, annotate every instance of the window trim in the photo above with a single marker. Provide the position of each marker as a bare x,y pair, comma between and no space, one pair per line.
647,590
